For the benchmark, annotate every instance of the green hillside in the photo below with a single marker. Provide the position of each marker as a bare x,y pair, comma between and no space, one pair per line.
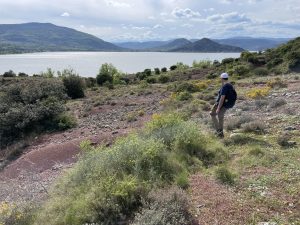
34,37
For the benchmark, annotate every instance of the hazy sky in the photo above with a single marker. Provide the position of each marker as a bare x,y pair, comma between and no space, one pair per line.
121,20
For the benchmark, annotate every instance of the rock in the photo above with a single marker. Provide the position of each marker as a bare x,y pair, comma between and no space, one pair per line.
115,132
290,128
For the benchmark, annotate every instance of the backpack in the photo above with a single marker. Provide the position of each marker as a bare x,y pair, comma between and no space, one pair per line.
231,98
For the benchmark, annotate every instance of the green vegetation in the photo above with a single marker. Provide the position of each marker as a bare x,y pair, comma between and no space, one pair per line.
28,106
108,185
73,83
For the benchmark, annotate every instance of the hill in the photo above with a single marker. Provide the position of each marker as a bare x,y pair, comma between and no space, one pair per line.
172,45
207,45
253,44
34,37
141,45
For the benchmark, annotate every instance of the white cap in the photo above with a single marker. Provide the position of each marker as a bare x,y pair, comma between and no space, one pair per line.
224,75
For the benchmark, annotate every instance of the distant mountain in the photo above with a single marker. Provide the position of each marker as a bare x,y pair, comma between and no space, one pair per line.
141,45
172,45
253,44
34,37
206,45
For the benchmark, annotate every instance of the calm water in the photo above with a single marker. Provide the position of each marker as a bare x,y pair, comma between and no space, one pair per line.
88,63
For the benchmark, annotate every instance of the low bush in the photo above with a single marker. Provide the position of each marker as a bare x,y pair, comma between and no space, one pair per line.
236,122
73,83
256,126
151,80
184,96
174,67
167,207
164,79
258,152
224,175
275,103
256,93
186,86
108,184
66,121
276,83
9,73
106,74
11,214
260,103
203,64
261,71
164,70
30,105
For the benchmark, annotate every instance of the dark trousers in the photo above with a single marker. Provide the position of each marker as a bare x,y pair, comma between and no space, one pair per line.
218,119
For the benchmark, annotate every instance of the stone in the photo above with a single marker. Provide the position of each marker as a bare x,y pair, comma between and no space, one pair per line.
290,128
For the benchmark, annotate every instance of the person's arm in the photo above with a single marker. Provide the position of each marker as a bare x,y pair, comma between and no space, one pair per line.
221,102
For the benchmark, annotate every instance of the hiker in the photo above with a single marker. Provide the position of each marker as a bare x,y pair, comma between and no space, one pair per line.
226,100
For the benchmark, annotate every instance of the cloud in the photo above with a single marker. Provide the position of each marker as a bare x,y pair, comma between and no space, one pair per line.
232,17
157,26
117,4
185,13
65,14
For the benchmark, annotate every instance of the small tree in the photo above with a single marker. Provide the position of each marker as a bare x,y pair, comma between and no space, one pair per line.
106,73
10,73
174,67
23,75
164,70
73,83
147,72
157,71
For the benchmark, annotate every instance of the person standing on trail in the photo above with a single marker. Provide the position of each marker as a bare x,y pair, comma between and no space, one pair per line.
226,99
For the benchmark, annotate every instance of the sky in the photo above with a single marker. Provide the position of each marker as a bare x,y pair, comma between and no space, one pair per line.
145,20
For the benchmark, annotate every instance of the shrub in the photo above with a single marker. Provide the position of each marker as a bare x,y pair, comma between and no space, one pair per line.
106,73
90,82
256,152
260,71
164,79
167,207
174,67
275,103
236,122
29,105
227,61
157,71
147,72
276,83
108,184
184,96
203,64
9,73
151,80
258,92
260,103
164,70
66,121
256,126
23,75
73,83
225,176
186,86
284,140
11,214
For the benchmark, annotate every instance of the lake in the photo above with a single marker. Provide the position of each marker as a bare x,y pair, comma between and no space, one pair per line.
88,63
